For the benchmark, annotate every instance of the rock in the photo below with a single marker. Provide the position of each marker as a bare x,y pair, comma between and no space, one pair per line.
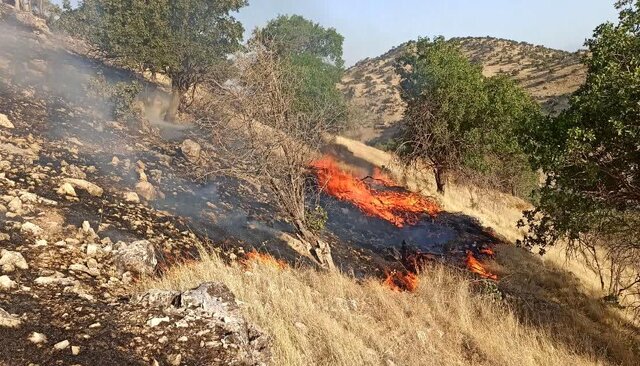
174,359
146,190
191,150
138,257
37,338
55,279
67,189
15,205
93,249
6,284
95,325
8,321
91,188
131,197
75,350
9,261
41,243
156,298
92,263
212,297
4,121
31,229
61,345
154,322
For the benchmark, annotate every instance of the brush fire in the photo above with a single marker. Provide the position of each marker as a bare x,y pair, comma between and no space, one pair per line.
399,207
255,257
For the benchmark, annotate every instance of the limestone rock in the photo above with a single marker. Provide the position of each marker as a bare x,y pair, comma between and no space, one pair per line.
61,345
31,229
37,338
191,150
138,257
66,189
91,188
10,260
8,321
156,298
6,283
154,322
146,190
131,197
4,121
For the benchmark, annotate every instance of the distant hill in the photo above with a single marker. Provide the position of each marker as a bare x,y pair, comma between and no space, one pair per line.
549,76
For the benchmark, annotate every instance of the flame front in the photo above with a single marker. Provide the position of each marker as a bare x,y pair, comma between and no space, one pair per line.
398,208
254,257
476,267
399,281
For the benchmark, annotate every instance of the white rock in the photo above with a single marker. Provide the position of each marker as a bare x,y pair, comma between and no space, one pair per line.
4,121
41,243
30,228
8,320
91,188
61,345
92,249
137,257
154,322
131,197
75,350
10,260
37,338
6,283
146,190
191,150
15,205
67,189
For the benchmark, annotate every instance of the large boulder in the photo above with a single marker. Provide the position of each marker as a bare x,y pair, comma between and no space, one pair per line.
138,257
191,150
146,190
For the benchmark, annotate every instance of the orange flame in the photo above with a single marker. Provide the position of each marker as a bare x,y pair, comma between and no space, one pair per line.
399,208
476,267
384,179
488,251
398,281
254,257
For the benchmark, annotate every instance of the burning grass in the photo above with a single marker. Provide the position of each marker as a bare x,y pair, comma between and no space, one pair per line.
398,207
322,318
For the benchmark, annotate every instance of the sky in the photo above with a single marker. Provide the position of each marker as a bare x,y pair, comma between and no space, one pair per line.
372,27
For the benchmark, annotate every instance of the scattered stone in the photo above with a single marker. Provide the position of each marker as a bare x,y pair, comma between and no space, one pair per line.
191,150
91,188
6,283
154,322
61,345
31,229
75,350
37,338
15,205
156,298
55,279
41,243
95,325
5,122
146,190
174,359
10,260
183,339
131,197
67,189
92,249
8,321
138,257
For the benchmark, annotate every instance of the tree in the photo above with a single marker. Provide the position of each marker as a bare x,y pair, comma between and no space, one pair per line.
461,122
185,39
314,53
591,155
271,139
444,95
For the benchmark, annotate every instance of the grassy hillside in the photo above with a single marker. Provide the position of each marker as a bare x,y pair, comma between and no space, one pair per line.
548,75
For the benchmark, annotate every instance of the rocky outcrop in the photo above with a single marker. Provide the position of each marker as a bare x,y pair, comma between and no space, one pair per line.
138,257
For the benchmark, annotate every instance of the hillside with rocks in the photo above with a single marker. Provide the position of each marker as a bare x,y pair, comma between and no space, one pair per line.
548,75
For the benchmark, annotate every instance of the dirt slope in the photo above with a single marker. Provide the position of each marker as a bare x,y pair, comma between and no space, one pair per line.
548,75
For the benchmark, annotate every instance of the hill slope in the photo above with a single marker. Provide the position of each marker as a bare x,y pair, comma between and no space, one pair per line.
548,75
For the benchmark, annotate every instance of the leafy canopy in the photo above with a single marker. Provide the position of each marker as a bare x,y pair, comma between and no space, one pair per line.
591,152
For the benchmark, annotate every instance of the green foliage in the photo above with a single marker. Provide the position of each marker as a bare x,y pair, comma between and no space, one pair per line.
295,35
462,122
313,55
591,152
316,219
185,39
121,96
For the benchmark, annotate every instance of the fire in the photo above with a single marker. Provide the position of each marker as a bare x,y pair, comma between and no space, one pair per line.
254,257
488,251
399,281
476,267
399,208
382,178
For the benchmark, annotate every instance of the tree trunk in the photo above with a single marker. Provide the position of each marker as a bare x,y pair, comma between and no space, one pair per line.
440,179
174,104
41,7
319,250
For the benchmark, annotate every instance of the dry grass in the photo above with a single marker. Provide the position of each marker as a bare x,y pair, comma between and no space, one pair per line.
320,318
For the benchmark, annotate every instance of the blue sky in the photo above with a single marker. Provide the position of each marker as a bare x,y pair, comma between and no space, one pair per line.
372,27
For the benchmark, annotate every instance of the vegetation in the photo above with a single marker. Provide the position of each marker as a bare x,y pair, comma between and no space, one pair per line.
591,155
185,40
459,121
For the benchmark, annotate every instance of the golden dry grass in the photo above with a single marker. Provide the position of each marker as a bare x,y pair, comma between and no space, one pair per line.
320,318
